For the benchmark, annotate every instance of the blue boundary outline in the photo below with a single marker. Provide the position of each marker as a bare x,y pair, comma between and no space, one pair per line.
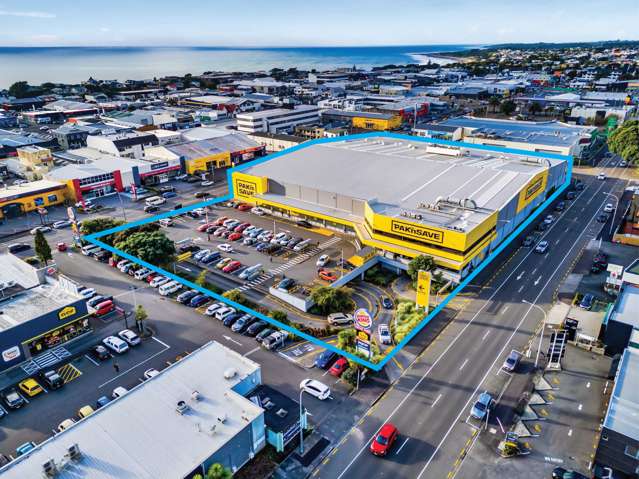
94,238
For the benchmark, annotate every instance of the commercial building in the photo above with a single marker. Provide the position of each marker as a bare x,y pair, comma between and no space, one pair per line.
206,155
622,320
364,119
33,162
70,136
278,120
174,425
39,313
10,141
16,200
276,142
546,137
126,145
405,197
618,448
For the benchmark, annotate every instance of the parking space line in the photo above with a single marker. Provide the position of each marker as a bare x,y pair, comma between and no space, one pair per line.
402,446
161,342
436,400
91,359
132,368
257,348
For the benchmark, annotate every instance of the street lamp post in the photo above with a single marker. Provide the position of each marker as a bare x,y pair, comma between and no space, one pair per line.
614,212
543,327
301,424
122,206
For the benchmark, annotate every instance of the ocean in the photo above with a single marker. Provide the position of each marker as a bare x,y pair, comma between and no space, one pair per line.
75,64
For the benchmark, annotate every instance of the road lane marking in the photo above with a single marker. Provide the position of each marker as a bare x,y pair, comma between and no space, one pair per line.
257,348
537,281
580,407
505,308
463,364
521,288
436,400
520,275
485,335
398,363
402,446
569,432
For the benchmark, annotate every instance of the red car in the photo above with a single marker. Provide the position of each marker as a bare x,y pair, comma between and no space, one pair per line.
220,220
384,440
327,275
219,231
234,236
150,277
232,266
204,227
338,367
241,228
244,207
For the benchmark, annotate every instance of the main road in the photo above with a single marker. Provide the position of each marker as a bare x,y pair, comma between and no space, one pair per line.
430,402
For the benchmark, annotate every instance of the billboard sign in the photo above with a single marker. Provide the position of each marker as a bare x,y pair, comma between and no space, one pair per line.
423,288
363,320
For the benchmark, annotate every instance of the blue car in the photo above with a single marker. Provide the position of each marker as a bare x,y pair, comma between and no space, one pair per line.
209,258
325,359
482,406
387,303
198,300
102,401
587,302
24,448
169,194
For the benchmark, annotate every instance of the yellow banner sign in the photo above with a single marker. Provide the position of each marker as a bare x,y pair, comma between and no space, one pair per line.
423,289
67,312
426,234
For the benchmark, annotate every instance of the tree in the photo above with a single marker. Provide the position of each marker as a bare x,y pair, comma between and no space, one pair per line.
332,300
236,296
535,108
346,339
201,278
97,225
421,262
42,248
20,89
280,316
154,248
493,101
218,471
507,107
624,141
140,316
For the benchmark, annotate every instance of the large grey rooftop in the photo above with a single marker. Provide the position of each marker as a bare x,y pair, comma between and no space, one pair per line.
623,410
397,176
142,436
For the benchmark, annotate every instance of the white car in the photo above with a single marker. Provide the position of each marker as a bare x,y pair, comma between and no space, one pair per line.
159,281
609,208
549,219
258,211
122,263
130,337
210,311
43,229
601,176
227,248
541,247
279,237
207,183
199,211
384,334
166,222
169,288
149,373
115,344
119,392
340,319
222,313
87,293
315,388
142,273
61,224
322,260
155,201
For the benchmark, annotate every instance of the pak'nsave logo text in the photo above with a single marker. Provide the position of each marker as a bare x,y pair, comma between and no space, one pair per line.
426,234
535,187
245,188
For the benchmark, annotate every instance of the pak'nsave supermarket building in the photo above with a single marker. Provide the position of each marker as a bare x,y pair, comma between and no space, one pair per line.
406,197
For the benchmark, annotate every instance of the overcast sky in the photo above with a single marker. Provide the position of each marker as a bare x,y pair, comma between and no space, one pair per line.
312,23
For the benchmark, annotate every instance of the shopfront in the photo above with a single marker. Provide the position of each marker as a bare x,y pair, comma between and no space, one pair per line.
57,336
156,173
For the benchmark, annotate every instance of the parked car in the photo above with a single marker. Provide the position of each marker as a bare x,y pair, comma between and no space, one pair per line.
340,319
169,194
338,367
12,398
571,195
327,275
235,236
286,284
201,194
481,407
169,288
587,301
241,227
322,260
384,334
61,224
541,247
325,359
258,211
560,206
230,319
303,224
130,337
151,208
18,247
42,229
275,340
87,293
210,311
561,473
262,335
119,392
149,373
315,388
255,328
66,424
115,344
244,207
30,387
232,266
384,440
227,248
198,300
23,449
184,298
243,323
602,218
223,313
528,241
511,362
609,208
223,262
159,281
51,379
212,256
85,411
201,254
102,401
100,352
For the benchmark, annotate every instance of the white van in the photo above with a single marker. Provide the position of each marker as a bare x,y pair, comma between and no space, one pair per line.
169,288
302,245
90,249
155,201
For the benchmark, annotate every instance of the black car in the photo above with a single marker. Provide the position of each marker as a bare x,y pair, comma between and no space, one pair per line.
243,323
52,379
190,247
602,218
387,303
254,329
151,209
579,186
561,473
201,194
18,247
263,334
528,241
166,189
231,318
543,226
303,224
12,398
192,179
4,460
186,297
100,352
571,195
102,256
560,206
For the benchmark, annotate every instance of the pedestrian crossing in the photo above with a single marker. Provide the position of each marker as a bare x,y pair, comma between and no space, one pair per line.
45,360
289,264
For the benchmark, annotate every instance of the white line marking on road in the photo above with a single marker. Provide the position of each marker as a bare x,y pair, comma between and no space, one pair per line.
485,335
252,351
588,385
402,446
91,359
463,364
161,342
537,281
436,400
533,271
557,240
505,309
569,432
228,338
133,367
580,407
520,275
521,288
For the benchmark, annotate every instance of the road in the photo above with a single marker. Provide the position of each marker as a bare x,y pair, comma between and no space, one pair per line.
429,403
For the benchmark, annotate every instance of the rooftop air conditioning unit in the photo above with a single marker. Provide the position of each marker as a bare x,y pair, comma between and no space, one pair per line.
196,396
230,373
73,451
222,418
49,468
182,407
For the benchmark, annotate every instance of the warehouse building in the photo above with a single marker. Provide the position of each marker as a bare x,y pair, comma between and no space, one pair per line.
364,119
16,200
278,120
174,425
406,197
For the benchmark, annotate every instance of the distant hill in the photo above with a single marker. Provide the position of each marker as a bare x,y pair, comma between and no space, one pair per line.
544,46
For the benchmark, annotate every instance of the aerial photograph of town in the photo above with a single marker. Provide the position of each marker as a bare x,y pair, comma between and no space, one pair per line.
335,240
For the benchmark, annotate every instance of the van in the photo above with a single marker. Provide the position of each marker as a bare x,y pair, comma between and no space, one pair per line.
155,201
90,249
302,245
169,288
104,308
249,271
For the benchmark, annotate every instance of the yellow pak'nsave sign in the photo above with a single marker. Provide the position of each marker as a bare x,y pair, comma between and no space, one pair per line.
425,234
534,188
423,289
245,188
66,312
